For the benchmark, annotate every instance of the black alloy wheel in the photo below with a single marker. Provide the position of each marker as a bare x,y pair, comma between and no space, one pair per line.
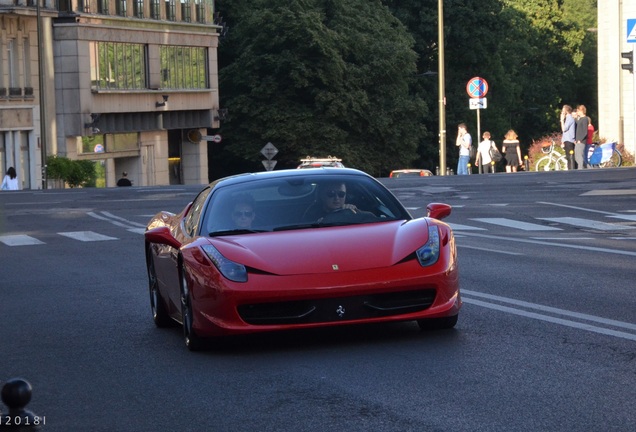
159,312
192,341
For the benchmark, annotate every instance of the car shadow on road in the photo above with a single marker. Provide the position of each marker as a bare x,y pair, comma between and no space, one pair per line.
379,335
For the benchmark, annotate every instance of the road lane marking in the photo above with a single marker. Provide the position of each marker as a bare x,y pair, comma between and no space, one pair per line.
86,236
603,192
624,217
511,223
112,216
587,223
576,208
460,227
19,240
550,309
488,250
539,242
554,320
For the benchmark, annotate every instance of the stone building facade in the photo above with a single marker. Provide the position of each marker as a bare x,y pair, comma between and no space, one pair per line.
131,84
616,95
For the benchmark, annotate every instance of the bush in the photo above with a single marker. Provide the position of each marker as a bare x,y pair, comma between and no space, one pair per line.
72,172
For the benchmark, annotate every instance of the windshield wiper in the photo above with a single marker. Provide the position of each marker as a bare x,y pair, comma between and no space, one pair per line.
297,226
234,232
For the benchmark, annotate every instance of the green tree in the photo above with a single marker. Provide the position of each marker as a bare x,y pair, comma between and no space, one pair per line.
319,77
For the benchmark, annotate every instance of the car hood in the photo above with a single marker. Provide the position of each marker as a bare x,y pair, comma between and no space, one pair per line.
322,250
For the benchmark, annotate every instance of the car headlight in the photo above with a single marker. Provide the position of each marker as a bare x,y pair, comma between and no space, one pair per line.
233,271
428,254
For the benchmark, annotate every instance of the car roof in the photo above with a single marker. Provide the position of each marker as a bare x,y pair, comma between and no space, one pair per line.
287,173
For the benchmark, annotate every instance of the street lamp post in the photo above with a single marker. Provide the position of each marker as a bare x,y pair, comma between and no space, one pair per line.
442,92
42,98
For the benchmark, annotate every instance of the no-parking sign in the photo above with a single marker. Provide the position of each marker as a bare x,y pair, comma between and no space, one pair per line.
477,87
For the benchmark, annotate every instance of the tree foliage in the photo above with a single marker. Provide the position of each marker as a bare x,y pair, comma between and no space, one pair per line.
349,77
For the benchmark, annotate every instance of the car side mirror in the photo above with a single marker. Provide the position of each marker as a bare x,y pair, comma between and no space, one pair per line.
162,235
438,210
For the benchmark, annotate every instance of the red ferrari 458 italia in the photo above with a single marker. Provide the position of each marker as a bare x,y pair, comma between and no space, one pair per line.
298,249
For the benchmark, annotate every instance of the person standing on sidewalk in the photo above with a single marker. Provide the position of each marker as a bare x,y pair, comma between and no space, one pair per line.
464,142
580,144
568,127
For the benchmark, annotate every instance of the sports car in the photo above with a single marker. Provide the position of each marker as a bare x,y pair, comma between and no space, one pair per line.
295,249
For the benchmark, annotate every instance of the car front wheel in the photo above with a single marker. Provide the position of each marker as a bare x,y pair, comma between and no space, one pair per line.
159,312
192,341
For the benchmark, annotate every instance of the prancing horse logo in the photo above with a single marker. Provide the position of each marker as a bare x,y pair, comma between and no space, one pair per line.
340,311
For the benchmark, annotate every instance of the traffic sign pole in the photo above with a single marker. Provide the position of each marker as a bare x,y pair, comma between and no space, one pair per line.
477,88
631,39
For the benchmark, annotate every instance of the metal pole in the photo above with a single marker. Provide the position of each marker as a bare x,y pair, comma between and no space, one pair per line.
442,91
634,95
42,98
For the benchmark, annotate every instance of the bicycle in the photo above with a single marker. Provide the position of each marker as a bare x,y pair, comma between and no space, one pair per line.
553,161
603,156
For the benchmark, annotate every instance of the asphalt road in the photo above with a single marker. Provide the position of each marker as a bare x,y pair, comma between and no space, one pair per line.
546,340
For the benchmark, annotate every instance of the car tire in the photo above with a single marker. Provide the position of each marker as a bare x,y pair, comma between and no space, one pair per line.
438,323
192,341
160,314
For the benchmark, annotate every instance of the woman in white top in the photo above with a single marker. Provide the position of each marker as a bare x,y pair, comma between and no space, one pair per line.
483,158
10,181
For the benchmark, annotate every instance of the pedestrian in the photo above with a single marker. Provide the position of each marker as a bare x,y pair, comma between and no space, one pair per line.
512,151
10,181
123,181
464,142
590,140
483,159
580,136
568,128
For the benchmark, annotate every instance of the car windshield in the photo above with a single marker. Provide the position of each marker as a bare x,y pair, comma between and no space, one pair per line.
298,202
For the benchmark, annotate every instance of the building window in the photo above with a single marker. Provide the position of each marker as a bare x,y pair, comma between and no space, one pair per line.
102,7
184,67
155,12
199,7
171,10
186,11
12,65
138,8
118,66
3,89
120,7
26,59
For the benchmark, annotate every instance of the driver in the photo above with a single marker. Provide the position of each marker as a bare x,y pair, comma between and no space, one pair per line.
331,199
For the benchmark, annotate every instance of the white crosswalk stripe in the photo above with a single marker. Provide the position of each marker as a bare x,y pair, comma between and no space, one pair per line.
511,223
86,236
587,223
19,240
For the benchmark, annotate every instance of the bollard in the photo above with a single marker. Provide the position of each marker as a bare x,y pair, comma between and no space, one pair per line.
469,168
493,170
571,160
436,170
526,163
453,172
16,394
447,171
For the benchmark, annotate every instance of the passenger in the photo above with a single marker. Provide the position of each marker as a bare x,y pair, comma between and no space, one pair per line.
243,212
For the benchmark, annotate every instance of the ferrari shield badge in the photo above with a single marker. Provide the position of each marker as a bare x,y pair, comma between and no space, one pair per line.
340,311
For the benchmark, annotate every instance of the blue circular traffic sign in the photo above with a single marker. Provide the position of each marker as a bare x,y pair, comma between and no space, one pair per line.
477,87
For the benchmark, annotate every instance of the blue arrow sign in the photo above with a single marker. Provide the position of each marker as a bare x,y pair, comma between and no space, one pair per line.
631,30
